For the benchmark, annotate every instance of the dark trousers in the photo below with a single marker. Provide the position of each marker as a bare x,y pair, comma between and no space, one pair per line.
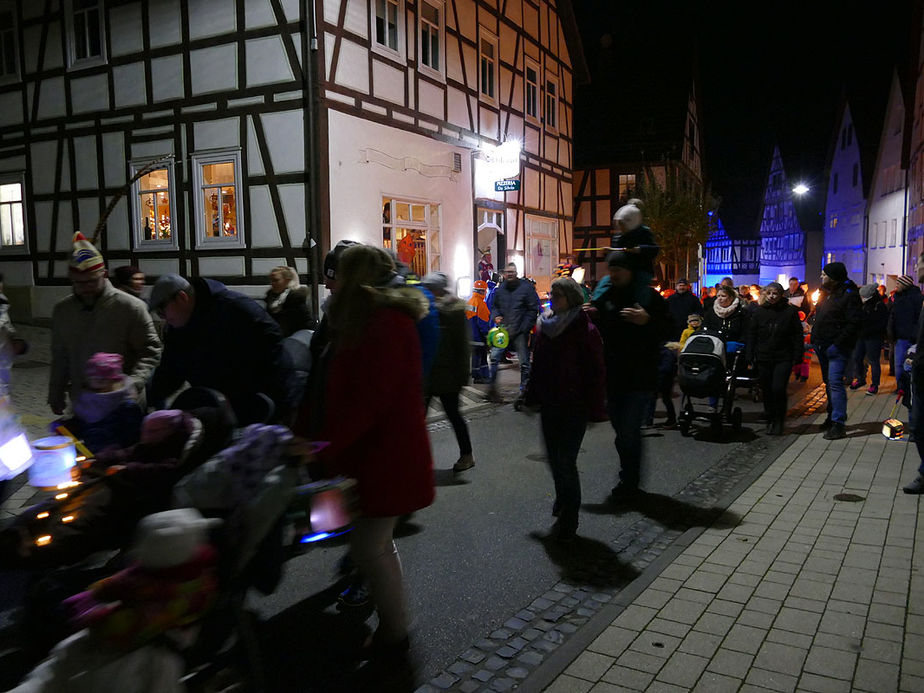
627,412
868,350
774,376
450,403
666,393
563,430
916,419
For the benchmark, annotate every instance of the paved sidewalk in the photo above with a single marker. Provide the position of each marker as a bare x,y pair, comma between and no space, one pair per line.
793,589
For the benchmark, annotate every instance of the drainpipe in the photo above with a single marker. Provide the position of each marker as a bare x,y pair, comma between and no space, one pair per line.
905,223
312,153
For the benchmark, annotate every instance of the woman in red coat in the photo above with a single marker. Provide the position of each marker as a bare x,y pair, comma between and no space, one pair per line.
375,421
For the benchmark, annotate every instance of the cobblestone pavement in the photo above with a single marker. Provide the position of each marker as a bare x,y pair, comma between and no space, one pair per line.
808,581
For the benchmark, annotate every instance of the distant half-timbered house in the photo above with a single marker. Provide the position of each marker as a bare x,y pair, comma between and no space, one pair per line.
724,256
92,91
445,130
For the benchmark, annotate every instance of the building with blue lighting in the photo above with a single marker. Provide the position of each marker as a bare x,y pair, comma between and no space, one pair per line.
730,257
845,204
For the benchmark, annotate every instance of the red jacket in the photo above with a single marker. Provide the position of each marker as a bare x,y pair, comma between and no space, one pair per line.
374,417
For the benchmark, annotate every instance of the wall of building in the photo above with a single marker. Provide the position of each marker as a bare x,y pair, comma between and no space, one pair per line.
845,204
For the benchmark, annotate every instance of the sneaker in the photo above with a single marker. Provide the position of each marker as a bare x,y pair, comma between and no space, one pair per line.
826,424
855,385
670,423
916,486
357,594
836,432
463,463
872,390
623,493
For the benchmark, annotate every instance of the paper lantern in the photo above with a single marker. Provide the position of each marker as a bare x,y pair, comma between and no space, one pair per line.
15,456
53,459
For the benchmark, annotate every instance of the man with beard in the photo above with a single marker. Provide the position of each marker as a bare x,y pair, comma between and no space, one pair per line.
834,335
632,334
516,307
97,317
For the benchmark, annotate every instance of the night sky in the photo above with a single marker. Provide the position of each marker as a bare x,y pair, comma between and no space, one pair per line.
768,72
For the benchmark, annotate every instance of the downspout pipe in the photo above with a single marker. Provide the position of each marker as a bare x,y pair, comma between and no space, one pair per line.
312,153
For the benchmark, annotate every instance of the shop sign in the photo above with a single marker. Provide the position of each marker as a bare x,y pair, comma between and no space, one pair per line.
506,185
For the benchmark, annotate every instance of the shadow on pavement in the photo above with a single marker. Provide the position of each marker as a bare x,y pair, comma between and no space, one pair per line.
447,477
867,428
587,561
669,512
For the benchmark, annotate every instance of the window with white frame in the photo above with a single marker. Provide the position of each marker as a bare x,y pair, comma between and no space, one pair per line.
551,103
412,229
487,73
216,198
12,213
531,91
386,26
893,233
8,47
541,249
153,225
85,32
431,35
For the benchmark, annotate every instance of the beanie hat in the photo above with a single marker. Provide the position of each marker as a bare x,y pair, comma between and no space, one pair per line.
868,291
629,216
436,280
332,259
836,270
619,258
104,366
906,280
775,285
159,425
85,257
170,538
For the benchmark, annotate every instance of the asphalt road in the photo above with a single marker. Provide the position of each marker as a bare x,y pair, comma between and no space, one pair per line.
476,556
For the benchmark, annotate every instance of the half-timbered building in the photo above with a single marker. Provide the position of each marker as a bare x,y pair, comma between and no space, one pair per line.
657,140
93,91
724,256
445,129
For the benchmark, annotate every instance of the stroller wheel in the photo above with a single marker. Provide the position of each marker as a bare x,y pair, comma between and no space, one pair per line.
736,417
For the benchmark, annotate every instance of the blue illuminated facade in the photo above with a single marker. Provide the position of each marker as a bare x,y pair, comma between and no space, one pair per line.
782,238
730,257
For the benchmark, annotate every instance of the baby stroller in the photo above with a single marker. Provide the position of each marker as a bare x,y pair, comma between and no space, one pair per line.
705,371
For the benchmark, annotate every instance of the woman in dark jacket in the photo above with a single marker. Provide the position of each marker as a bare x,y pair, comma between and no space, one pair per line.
287,302
874,317
566,382
728,317
774,343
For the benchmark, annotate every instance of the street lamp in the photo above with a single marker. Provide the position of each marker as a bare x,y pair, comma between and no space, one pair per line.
801,189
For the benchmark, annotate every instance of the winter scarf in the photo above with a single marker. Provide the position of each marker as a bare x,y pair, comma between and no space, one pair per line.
553,324
274,302
92,407
725,312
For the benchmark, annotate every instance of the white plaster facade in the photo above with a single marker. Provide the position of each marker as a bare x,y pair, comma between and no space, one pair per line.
886,211
845,204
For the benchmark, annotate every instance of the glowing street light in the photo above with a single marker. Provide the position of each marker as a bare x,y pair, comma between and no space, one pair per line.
801,189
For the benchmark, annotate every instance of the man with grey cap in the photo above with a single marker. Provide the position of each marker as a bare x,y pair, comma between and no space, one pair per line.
220,339
902,328
633,328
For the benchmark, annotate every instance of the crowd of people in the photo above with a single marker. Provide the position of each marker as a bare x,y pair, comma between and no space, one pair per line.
387,343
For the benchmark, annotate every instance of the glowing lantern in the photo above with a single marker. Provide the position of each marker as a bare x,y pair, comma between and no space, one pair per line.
53,459
816,294
15,456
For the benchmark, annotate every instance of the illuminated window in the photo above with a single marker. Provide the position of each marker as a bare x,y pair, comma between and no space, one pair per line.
85,32
386,23
152,208
551,103
412,230
431,35
531,94
217,177
8,47
487,73
12,213
626,185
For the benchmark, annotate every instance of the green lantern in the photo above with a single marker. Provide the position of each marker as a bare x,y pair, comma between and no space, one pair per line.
498,337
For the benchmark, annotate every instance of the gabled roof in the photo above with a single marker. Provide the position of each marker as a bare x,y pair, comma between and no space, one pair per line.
867,129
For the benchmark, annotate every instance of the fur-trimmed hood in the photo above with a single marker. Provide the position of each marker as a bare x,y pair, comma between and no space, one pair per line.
407,299
448,303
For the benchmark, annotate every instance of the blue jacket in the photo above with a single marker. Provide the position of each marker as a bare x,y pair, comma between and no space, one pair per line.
230,344
518,305
903,318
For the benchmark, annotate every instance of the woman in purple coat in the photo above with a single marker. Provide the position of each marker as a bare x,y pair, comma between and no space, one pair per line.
567,384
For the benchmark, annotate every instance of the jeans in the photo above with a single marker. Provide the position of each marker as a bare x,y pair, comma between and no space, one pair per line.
520,345
898,356
627,412
563,430
774,377
869,349
833,361
480,361
372,547
450,403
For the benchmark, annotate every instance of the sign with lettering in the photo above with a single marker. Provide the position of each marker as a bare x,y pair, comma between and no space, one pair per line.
506,185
